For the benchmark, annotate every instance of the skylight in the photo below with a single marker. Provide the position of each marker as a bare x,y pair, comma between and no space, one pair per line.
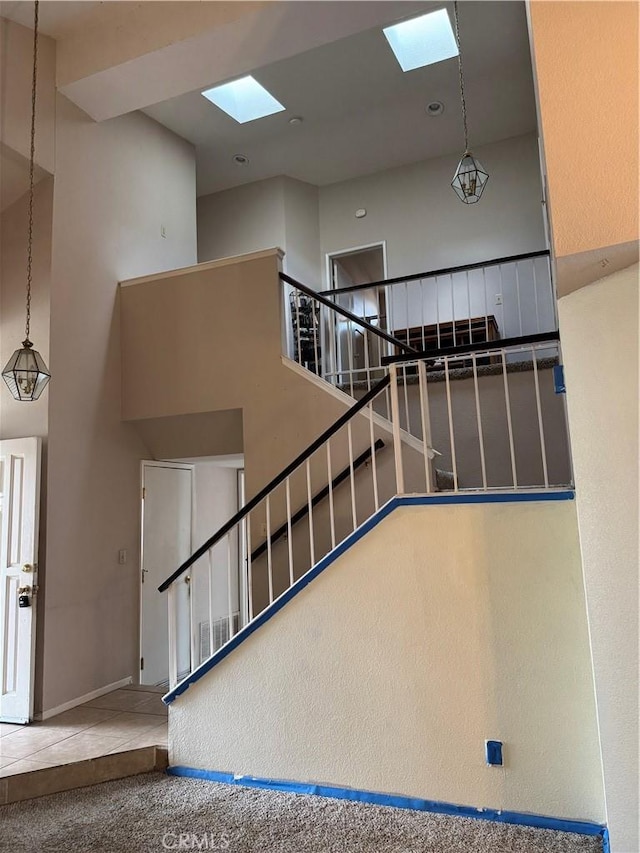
422,41
244,99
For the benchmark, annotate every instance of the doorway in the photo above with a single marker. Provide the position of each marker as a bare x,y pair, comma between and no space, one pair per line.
349,272
185,502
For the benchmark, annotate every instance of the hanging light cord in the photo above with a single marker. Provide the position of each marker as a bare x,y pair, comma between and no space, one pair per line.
31,169
464,105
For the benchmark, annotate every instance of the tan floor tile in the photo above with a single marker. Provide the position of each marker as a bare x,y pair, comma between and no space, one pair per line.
152,706
146,688
9,728
78,748
126,725
77,719
119,700
25,765
25,743
152,737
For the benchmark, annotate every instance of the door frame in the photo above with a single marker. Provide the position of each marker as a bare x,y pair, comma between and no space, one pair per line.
30,449
329,256
159,463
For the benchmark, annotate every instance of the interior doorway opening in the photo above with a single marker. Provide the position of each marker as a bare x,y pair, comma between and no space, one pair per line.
185,501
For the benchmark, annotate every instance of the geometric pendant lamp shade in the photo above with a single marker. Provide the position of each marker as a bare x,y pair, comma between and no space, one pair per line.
26,373
470,179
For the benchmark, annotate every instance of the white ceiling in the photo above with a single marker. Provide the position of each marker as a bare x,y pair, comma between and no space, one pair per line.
361,113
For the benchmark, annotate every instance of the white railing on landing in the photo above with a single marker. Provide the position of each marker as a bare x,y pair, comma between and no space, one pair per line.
479,303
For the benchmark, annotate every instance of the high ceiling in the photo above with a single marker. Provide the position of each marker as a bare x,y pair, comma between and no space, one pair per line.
360,112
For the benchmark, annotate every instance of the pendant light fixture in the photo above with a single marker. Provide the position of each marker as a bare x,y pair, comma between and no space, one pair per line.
26,373
470,178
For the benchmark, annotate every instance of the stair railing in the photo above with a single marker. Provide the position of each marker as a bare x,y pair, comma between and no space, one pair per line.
333,342
496,413
472,303
226,582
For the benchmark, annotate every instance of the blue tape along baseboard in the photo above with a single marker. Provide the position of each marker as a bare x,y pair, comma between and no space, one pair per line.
581,827
332,556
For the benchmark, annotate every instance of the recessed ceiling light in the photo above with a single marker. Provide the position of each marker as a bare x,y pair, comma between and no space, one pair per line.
244,99
435,108
422,41
296,120
240,160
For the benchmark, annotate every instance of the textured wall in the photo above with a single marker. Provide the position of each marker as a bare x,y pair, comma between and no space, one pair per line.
586,64
599,326
444,626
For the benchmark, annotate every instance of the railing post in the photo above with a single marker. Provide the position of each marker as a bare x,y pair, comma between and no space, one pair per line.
173,637
395,420
425,416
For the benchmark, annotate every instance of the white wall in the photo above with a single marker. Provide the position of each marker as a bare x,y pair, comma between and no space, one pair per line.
425,225
391,680
599,326
116,184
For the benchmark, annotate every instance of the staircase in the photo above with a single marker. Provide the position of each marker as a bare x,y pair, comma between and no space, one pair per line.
365,572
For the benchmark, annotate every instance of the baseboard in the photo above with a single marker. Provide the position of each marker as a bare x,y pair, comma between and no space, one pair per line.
580,827
73,703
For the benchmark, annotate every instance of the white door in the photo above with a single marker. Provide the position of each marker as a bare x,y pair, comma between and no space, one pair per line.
167,490
19,514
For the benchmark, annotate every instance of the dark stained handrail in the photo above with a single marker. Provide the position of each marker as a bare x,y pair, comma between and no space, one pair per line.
446,271
464,349
322,494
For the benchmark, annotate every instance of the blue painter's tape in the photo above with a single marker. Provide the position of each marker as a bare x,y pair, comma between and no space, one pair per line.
606,842
305,580
558,379
581,827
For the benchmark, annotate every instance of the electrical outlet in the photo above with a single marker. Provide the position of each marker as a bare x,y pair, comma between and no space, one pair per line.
122,556
493,752
498,299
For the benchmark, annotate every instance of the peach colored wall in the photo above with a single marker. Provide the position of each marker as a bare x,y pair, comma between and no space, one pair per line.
586,62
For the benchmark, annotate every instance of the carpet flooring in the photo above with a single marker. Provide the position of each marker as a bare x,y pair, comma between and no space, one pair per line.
154,812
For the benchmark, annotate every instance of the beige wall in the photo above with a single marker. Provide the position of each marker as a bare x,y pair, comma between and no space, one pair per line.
245,219
426,227
16,69
20,419
116,184
398,677
599,326
586,64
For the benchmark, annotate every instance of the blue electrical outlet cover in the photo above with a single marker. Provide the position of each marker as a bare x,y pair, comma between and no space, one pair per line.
493,750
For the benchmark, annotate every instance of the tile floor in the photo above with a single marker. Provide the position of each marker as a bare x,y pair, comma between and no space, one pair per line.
124,719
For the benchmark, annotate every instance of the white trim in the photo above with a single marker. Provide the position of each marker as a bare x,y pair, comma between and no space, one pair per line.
382,244
208,265
95,694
